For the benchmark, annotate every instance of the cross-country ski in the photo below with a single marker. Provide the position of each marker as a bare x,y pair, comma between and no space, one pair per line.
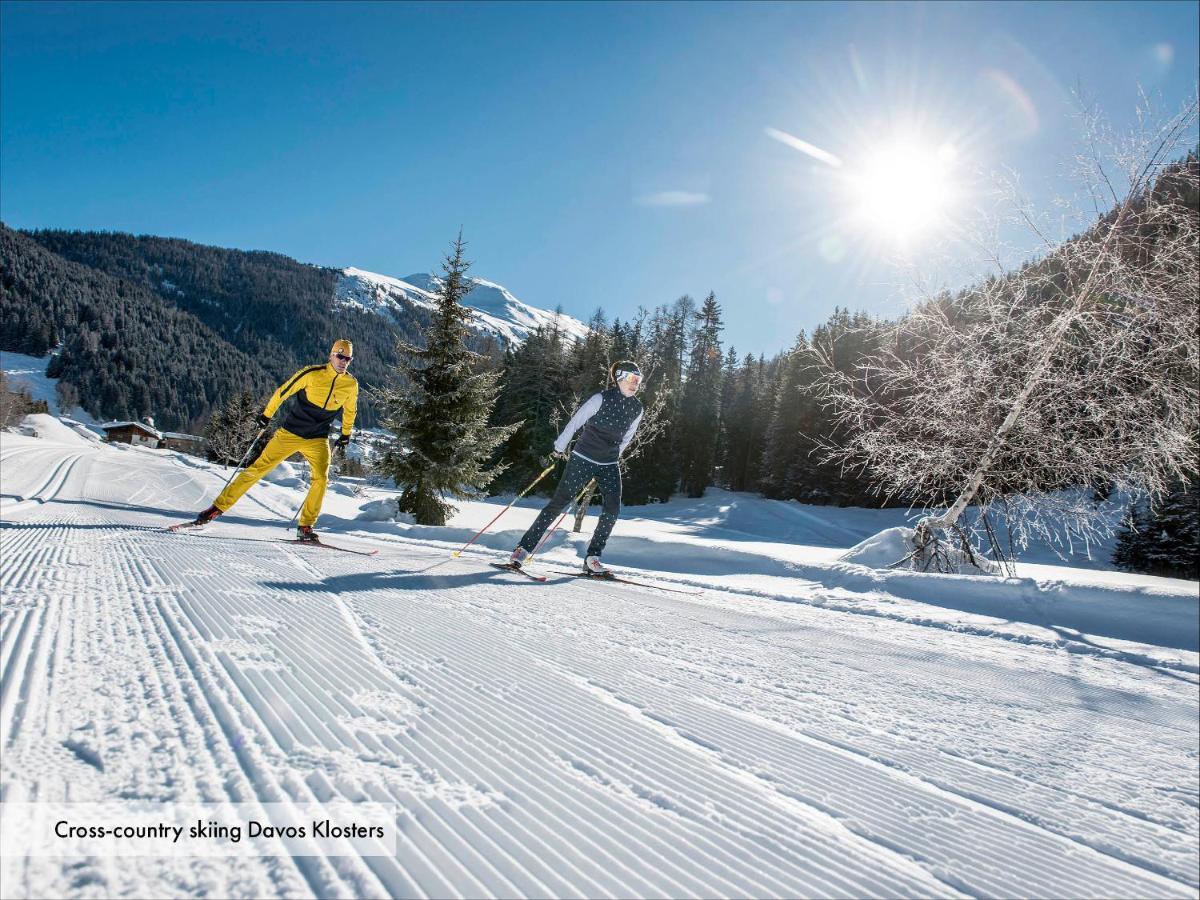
178,527
202,527
325,545
510,567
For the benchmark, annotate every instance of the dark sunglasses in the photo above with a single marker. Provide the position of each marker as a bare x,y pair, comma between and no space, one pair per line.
344,356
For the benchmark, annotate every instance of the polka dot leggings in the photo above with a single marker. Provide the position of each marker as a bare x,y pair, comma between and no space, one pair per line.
580,472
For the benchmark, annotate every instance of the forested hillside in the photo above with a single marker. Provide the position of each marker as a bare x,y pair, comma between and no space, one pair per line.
278,310
274,310
126,352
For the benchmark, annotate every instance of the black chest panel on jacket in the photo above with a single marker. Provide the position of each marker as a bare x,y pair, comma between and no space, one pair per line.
308,420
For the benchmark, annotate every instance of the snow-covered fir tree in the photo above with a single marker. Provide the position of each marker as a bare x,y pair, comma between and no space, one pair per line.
438,409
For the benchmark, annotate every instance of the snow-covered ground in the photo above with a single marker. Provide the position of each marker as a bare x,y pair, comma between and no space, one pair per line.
798,727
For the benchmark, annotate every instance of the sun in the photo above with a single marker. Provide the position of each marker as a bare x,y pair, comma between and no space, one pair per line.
903,189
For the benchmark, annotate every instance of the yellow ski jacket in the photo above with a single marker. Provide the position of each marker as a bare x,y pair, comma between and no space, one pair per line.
322,394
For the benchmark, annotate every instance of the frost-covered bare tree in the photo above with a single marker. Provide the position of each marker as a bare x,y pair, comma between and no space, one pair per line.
12,404
1078,370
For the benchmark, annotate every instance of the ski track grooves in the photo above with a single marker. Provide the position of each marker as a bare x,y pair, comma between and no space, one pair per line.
586,736
45,491
820,774
235,716
442,887
287,738
1141,862
46,667
574,739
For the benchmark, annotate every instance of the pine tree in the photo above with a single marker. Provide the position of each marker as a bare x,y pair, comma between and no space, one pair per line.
532,398
635,345
783,432
653,475
1129,553
1176,523
438,409
763,396
590,358
1163,539
744,424
729,383
801,429
702,400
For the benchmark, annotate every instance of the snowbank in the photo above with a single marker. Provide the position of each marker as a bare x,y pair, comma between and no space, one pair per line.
51,428
286,475
91,433
894,547
701,543
881,551
385,510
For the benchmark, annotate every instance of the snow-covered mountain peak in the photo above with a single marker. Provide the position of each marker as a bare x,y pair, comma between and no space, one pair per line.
496,310
381,294
495,302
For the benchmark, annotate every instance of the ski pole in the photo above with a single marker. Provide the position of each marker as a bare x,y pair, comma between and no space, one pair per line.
244,455
546,471
578,498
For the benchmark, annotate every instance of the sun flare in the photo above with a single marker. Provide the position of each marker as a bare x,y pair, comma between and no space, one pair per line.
903,189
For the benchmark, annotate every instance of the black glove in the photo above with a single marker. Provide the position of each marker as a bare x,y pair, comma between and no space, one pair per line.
558,454
263,420
342,442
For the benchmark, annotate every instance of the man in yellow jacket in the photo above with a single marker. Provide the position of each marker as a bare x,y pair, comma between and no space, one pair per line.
322,393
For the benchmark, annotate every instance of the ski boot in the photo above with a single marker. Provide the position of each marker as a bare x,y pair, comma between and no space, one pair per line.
595,569
207,516
306,533
202,519
518,557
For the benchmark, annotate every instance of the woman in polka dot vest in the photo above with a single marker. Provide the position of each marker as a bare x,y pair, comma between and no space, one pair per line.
609,421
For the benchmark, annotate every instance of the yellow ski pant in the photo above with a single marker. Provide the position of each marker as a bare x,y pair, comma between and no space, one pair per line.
279,448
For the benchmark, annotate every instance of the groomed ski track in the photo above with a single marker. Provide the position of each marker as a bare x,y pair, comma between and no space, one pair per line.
566,739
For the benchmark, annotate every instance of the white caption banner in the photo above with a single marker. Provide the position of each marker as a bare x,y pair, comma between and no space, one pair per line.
137,828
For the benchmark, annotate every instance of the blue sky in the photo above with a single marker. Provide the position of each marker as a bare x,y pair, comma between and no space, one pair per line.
594,154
